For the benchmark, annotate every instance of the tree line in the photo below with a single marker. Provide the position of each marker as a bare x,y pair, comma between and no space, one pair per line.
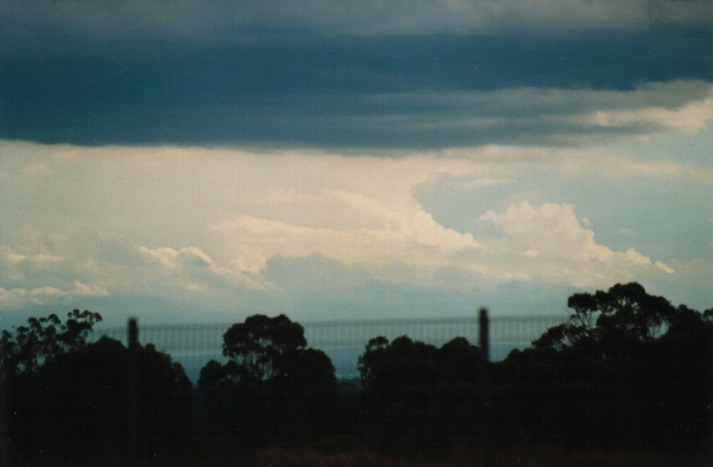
627,368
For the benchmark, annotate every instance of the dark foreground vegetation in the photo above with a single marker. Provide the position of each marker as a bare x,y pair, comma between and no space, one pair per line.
628,380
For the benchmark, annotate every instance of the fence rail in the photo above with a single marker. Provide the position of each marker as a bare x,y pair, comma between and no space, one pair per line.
194,344
200,337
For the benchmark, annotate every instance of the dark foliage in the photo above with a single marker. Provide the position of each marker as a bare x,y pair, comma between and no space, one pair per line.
606,321
44,340
71,399
272,388
627,368
420,396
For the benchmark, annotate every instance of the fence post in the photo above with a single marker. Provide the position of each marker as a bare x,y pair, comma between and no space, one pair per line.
484,334
487,422
133,376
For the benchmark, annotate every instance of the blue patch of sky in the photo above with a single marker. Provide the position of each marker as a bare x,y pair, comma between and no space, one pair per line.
693,149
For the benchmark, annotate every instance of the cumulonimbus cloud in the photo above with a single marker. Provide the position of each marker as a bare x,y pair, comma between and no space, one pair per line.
217,221
548,243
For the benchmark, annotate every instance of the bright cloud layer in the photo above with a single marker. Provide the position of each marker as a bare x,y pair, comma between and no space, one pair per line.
187,222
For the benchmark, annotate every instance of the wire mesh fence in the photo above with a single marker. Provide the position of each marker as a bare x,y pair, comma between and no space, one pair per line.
193,345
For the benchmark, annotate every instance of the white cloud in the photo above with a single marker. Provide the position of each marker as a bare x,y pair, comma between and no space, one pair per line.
585,161
40,260
664,268
548,243
541,116
10,256
17,297
85,290
173,260
45,260
688,118
192,262
218,223
418,241
196,287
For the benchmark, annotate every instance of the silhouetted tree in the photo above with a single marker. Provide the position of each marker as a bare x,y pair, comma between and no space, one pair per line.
262,347
623,313
420,395
272,386
98,396
627,367
68,397
402,362
682,373
460,361
708,315
44,340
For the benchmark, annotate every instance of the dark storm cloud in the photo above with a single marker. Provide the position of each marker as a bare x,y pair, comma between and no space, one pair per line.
90,22
273,73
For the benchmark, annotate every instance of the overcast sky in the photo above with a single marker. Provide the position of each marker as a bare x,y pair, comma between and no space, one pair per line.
204,160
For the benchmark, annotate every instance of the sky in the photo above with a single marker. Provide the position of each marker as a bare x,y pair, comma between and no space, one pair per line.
206,160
